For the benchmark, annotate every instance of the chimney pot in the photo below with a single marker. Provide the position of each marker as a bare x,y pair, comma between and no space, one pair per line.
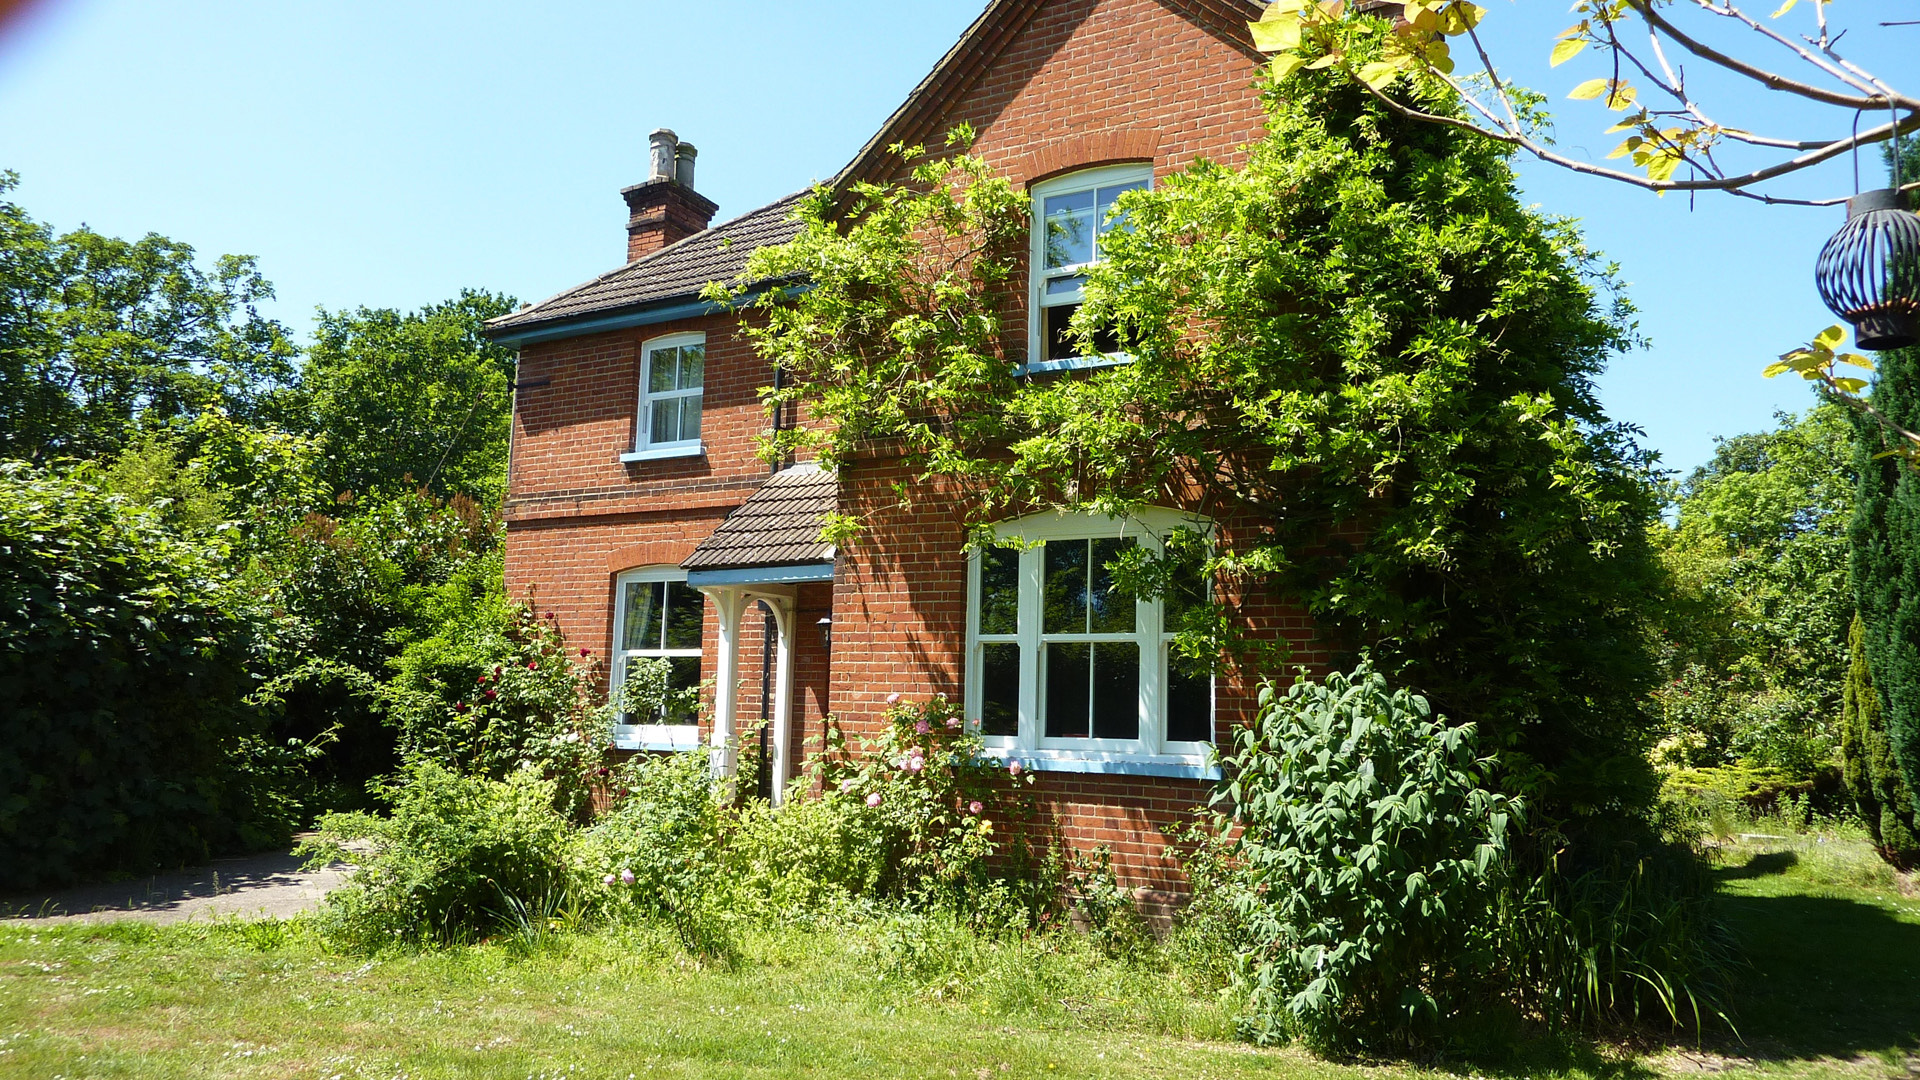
663,143
683,156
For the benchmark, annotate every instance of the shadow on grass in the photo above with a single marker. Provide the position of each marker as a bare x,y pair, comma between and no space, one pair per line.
1829,977
1765,864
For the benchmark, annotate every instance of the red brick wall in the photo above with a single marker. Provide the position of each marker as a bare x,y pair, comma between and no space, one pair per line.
1085,82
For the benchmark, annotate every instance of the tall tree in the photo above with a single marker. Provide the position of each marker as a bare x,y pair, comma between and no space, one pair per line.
1874,780
1886,551
410,400
1756,645
100,337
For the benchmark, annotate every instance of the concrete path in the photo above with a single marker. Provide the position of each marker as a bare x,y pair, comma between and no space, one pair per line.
251,886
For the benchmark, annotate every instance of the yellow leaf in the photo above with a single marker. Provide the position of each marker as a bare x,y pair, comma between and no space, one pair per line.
1287,63
1589,90
1851,386
1378,74
1276,35
1784,8
1626,148
1775,368
1856,360
1830,338
1567,50
1323,63
1622,96
1662,167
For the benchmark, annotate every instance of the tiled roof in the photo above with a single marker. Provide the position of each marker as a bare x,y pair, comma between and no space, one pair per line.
778,525
675,272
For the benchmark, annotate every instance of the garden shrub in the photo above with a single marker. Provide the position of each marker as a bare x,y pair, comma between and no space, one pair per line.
662,850
1372,858
1874,781
493,691
125,665
943,822
457,858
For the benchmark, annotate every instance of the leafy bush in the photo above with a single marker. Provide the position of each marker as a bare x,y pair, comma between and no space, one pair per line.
924,800
458,857
1372,859
662,851
493,691
125,665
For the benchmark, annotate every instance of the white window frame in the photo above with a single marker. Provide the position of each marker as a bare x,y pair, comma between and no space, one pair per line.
644,447
1151,753
1037,300
648,736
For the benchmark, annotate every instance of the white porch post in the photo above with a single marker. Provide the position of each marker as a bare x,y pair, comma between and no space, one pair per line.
730,602
783,698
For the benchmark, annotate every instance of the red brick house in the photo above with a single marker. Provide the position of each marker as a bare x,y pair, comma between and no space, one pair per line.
639,514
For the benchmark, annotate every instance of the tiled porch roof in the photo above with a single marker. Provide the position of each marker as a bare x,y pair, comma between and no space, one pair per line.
778,525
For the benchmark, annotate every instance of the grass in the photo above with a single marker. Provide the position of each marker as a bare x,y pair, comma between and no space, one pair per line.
1832,935
1834,990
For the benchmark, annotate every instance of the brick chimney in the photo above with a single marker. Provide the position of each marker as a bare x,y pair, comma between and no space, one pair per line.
665,209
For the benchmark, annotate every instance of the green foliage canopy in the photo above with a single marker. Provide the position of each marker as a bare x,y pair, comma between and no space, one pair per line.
410,400
100,336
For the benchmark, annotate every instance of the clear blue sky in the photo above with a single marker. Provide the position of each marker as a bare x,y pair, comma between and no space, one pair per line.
389,154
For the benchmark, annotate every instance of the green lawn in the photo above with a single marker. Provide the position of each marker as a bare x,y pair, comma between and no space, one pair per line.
1834,989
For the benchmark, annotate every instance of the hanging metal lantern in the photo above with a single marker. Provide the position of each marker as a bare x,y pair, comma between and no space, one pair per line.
1869,273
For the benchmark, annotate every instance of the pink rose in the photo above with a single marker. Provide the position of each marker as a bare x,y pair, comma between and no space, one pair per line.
1014,767
975,807
873,800
953,723
915,763
608,880
922,727
626,877
893,699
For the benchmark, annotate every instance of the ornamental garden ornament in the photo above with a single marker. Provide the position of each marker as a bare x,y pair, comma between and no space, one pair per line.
1869,273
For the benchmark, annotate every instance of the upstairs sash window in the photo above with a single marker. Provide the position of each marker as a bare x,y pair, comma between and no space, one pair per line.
672,383
1071,214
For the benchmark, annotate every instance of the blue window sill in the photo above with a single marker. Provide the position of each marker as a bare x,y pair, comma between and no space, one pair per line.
1172,768
1073,363
661,453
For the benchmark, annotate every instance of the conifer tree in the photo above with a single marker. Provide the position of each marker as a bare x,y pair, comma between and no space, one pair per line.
1886,554
1873,779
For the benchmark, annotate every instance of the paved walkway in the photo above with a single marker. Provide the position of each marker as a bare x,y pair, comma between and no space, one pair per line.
251,886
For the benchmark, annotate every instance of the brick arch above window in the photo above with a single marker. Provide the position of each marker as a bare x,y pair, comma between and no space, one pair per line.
1087,151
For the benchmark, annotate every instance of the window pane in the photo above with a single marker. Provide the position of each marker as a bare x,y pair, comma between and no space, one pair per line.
642,629
685,677
999,591
666,421
1116,690
1068,669
1065,589
1069,285
1000,689
693,362
1060,346
1069,225
686,616
1189,703
1110,610
660,369
1105,203
690,417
